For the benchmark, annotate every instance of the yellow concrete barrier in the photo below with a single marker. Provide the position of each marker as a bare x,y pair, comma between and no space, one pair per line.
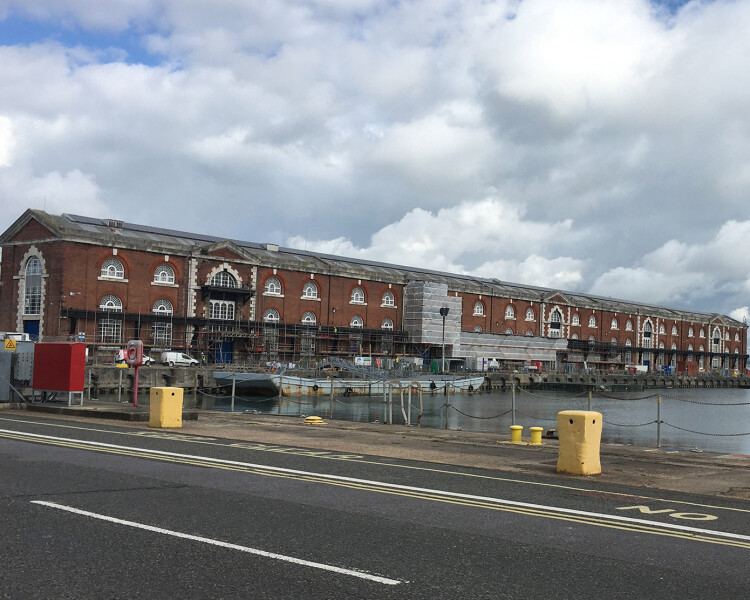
536,434
166,407
515,433
580,434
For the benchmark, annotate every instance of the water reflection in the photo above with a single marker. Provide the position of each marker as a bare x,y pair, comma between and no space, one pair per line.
629,417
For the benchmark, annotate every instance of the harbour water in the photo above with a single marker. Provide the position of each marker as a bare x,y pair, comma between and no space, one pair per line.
709,420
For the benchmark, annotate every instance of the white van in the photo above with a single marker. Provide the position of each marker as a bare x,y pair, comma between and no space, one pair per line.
120,358
178,359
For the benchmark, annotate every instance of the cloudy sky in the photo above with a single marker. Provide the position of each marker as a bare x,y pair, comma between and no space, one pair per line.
601,146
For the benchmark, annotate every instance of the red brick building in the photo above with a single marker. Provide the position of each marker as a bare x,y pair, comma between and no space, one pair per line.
105,281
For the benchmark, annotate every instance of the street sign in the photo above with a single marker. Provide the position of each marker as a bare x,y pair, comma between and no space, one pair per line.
10,345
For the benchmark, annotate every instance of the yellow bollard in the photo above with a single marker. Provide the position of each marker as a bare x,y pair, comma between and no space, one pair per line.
515,434
165,407
580,434
536,435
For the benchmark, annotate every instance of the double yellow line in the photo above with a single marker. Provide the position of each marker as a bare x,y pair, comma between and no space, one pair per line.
599,520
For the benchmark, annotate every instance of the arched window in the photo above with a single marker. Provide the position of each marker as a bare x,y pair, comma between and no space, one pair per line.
661,345
164,274
628,343
592,338
628,325
613,341
162,330
576,320
389,299
530,314
111,303
726,336
529,332
273,287
271,316
736,337
358,296
356,322
614,324
509,331
163,307
310,291
510,312
674,346
478,329
387,324
690,332
33,287
661,329
224,279
592,321
647,331
702,333
113,269
555,325
574,336
309,318
674,329
479,309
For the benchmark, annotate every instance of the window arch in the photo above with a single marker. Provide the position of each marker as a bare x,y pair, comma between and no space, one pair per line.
387,324
479,309
592,321
662,331
574,336
113,269
628,343
310,291
614,324
509,331
33,287
357,322
674,329
273,286
529,332
690,332
164,274
111,303
555,325
592,338
478,329
674,346
309,318
224,279
661,345
358,296
389,299
575,320
510,312
613,341
271,315
628,325
163,307
530,314
702,333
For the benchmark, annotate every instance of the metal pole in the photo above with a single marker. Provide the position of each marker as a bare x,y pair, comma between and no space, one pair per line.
135,388
119,388
331,400
513,404
234,384
443,351
658,422
589,400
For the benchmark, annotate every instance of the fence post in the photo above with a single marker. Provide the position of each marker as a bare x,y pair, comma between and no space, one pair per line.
658,421
234,384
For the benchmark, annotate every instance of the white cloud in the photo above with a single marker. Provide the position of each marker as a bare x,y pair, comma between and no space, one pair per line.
6,141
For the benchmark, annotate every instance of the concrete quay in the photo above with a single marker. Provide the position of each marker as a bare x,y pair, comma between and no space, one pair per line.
651,469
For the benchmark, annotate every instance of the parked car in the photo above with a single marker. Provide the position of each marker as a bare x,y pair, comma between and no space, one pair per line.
178,359
120,358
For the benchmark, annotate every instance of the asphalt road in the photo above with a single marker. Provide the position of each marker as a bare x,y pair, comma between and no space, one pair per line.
100,511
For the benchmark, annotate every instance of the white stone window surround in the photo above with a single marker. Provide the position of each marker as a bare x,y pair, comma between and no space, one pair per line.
357,322
309,318
510,312
628,325
33,251
222,310
111,303
592,321
575,320
614,324
163,307
530,314
691,333
271,315
479,308
674,329
164,276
